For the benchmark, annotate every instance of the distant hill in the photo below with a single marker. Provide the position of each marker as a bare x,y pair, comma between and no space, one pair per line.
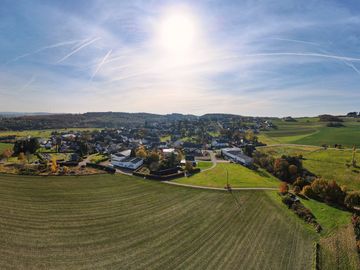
90,119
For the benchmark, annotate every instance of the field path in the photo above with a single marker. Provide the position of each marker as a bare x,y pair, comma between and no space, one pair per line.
300,145
215,188
213,160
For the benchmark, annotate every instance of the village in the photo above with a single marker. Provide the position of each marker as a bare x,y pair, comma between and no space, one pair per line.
169,149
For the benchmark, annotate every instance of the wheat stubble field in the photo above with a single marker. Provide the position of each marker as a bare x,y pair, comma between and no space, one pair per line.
121,222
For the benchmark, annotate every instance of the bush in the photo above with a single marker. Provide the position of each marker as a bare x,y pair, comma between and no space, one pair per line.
284,188
352,199
308,192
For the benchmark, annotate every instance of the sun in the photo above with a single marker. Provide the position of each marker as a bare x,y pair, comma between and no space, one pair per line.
177,32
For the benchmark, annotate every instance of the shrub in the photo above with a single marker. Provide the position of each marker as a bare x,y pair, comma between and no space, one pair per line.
308,192
352,199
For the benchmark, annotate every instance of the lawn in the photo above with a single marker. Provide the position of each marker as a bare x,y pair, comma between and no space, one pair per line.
330,163
330,218
311,131
239,176
114,222
204,165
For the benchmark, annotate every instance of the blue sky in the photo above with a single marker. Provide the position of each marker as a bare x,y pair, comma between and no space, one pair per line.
266,58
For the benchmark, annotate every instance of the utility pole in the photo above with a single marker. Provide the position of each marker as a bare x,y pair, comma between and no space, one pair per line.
353,156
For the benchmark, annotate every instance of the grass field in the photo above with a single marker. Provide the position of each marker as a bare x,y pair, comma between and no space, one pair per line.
117,222
239,176
41,133
330,163
338,251
4,146
311,131
204,164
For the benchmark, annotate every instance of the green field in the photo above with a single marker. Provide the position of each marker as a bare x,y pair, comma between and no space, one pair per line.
4,146
239,176
311,131
45,133
115,222
204,164
330,163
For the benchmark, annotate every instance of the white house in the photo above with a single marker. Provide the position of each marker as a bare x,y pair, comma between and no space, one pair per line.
128,162
168,151
237,155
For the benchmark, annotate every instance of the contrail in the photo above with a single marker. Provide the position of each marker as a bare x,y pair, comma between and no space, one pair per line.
32,79
101,64
60,44
78,49
297,41
330,56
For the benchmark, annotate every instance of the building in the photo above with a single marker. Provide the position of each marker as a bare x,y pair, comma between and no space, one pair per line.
128,162
236,154
189,158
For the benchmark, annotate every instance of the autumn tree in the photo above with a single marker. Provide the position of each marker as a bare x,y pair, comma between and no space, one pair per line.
53,165
308,192
7,153
21,156
141,152
352,199
293,170
284,188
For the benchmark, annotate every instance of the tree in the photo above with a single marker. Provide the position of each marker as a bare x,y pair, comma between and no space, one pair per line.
189,167
141,153
301,182
297,189
53,166
308,192
21,156
284,188
352,199
293,170
7,153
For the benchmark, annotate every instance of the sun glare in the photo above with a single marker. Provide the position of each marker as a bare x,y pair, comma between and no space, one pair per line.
177,32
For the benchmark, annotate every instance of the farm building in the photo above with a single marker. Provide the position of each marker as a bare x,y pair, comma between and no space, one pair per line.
237,155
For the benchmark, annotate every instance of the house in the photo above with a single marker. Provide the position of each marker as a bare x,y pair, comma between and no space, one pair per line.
128,162
236,154
168,151
189,158
219,143
118,157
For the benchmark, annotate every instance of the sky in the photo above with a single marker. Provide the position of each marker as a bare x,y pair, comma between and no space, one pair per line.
260,58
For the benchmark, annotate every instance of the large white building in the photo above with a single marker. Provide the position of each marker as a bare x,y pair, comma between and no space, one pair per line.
129,162
237,155
123,160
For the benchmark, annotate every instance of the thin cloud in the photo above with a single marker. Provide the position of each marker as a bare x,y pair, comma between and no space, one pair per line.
52,46
102,62
77,49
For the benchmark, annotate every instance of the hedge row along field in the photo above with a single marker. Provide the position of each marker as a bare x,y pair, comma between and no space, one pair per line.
115,222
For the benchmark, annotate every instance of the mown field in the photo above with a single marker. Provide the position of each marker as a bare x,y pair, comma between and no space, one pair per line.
329,164
239,176
312,132
122,222
45,133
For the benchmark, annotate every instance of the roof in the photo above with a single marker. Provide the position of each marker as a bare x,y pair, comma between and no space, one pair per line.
131,160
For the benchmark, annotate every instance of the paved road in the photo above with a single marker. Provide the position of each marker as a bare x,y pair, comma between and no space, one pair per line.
213,160
214,188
